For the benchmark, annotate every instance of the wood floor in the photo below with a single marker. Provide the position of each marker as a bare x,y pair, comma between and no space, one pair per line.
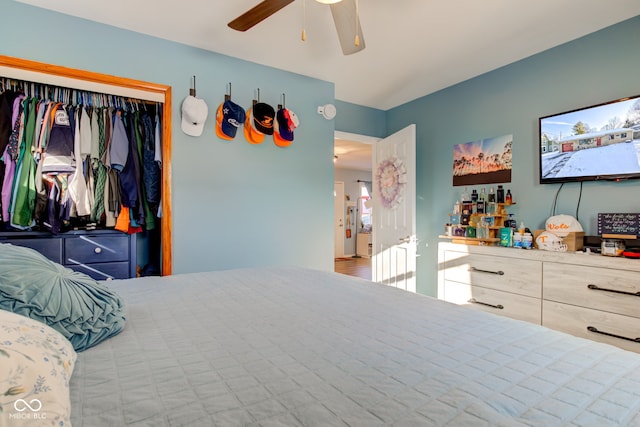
359,267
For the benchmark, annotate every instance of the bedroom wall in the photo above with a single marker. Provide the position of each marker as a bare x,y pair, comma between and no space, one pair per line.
234,204
360,120
597,68
240,205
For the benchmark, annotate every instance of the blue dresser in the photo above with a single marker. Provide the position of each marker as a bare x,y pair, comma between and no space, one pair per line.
101,254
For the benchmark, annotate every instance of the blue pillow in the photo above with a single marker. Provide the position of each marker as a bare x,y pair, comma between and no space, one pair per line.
83,310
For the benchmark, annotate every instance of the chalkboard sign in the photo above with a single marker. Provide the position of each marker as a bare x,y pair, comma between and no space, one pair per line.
619,225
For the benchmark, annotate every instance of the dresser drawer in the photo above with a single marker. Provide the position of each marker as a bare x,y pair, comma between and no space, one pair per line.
577,320
615,291
50,248
104,270
493,301
518,276
92,249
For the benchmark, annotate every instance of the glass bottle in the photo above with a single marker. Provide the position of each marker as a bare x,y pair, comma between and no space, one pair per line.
483,195
465,195
500,194
508,199
474,195
492,196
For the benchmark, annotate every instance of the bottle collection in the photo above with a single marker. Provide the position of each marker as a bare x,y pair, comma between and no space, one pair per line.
482,215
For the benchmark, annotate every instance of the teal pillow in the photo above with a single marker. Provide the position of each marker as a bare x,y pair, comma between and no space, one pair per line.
83,310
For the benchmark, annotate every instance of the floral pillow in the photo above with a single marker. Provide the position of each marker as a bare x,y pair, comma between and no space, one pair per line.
36,363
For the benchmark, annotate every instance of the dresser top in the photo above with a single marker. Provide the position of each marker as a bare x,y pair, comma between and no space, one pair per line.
574,258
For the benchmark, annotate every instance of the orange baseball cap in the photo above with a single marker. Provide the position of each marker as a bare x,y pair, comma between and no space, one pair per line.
252,135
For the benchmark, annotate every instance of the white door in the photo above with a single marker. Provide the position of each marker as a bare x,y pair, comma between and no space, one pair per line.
394,210
338,215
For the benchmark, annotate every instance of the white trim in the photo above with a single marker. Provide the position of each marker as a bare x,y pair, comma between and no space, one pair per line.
56,80
356,137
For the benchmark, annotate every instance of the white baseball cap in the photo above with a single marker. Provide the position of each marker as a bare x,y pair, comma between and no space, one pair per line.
194,115
562,225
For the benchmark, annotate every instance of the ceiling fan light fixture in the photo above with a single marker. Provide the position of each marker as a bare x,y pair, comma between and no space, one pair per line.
328,1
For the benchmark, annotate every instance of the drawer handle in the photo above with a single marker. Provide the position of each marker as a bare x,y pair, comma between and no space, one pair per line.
97,250
479,270
595,330
598,288
475,301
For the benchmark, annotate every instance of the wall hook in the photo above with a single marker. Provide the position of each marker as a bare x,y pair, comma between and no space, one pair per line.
192,91
227,97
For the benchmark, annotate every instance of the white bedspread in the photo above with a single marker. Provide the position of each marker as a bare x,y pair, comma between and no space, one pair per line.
296,347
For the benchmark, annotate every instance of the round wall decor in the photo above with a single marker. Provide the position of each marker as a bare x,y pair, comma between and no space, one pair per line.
391,178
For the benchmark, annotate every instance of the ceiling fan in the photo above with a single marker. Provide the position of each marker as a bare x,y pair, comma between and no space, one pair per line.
345,17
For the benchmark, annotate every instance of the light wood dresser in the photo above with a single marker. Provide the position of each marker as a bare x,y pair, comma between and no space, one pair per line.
590,296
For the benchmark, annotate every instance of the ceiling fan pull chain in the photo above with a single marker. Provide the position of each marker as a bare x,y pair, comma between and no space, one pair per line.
357,39
304,20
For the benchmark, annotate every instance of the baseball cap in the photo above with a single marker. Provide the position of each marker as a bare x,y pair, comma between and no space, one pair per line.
252,135
229,117
283,128
562,225
263,117
194,115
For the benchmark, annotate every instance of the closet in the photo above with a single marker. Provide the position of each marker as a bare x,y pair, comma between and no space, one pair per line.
85,168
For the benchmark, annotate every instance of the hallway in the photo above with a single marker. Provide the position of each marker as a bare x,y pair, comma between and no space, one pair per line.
359,267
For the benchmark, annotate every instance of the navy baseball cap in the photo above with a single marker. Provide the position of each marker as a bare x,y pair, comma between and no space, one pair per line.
230,116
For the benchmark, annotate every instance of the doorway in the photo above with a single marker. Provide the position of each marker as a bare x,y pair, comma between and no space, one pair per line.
352,166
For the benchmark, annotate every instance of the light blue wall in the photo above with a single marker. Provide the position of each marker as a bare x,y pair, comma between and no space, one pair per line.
234,204
361,120
597,68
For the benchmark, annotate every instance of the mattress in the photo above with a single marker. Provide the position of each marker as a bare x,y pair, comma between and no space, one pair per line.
299,347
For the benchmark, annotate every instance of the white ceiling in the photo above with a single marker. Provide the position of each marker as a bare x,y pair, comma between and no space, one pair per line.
413,47
353,151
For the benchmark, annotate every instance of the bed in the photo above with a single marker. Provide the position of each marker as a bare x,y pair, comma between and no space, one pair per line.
298,347
289,346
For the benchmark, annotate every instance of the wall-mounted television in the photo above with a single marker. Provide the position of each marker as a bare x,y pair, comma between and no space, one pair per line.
599,142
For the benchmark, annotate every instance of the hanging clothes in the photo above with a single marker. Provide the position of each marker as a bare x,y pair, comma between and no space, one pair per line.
10,156
24,183
59,156
82,148
151,168
77,158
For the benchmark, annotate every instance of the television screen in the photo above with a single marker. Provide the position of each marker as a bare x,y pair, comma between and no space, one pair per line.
600,142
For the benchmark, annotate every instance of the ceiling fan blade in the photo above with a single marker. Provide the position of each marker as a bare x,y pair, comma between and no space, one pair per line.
257,14
346,20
